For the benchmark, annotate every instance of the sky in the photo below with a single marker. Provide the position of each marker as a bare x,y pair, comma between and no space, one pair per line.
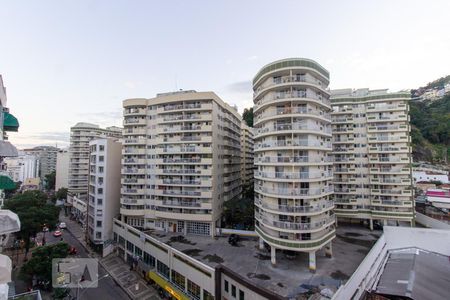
65,62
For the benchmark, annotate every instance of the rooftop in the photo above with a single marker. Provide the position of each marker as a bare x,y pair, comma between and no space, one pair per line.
350,246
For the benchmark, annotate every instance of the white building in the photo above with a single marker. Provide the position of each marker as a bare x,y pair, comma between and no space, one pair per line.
47,159
430,176
62,169
80,136
293,180
22,167
372,155
104,191
247,155
181,161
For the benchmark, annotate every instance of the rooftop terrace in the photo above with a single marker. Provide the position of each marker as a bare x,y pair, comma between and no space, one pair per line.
350,246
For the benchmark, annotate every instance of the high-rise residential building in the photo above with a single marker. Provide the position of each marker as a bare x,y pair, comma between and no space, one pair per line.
62,169
372,154
181,161
293,180
104,190
47,159
22,167
247,163
80,136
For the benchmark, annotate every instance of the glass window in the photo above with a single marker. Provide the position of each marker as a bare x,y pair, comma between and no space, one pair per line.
121,241
138,251
178,280
149,260
226,286
193,290
233,291
130,246
207,295
241,295
162,269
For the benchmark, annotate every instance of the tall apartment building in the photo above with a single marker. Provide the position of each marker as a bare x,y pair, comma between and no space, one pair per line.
247,163
80,136
47,159
62,169
181,161
372,153
104,190
293,180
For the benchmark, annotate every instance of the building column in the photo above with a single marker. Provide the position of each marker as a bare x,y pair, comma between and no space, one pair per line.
261,244
385,222
312,261
328,250
336,222
273,255
371,224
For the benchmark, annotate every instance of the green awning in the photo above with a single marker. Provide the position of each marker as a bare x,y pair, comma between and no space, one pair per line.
10,122
6,183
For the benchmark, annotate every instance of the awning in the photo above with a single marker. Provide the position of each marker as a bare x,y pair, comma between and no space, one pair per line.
167,286
10,123
5,269
7,149
9,222
6,183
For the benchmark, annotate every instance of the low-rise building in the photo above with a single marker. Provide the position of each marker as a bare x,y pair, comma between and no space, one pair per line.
428,176
31,184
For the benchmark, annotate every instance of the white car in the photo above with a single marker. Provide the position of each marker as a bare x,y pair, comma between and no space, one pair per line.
62,225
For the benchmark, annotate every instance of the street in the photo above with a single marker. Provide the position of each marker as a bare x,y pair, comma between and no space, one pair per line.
107,288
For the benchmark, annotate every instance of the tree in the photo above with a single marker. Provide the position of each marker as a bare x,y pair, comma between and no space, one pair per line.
61,194
50,180
247,116
33,211
39,266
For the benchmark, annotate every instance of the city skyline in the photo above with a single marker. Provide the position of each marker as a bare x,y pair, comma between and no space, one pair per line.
86,58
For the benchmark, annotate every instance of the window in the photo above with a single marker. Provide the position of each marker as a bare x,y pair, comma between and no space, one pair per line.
99,223
207,295
102,148
101,158
100,191
162,269
233,291
130,247
100,169
226,286
241,295
149,260
138,251
99,201
98,235
178,280
121,241
193,290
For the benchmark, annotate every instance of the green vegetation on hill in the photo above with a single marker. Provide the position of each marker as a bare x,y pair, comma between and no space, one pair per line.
247,116
430,130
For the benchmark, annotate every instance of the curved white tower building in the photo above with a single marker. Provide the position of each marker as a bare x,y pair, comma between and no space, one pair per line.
293,179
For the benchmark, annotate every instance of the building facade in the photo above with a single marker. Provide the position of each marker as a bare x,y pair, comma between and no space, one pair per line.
47,159
104,190
181,161
22,167
293,180
247,163
62,169
80,136
372,155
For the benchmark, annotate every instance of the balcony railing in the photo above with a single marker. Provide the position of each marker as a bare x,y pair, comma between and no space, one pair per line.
294,191
293,175
296,209
299,226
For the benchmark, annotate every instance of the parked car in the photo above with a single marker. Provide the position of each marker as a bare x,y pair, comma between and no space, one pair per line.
62,225
57,233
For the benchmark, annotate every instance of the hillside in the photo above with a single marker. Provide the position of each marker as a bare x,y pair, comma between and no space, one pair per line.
430,130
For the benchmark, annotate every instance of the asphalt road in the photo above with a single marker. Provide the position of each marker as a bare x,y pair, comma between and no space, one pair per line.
107,288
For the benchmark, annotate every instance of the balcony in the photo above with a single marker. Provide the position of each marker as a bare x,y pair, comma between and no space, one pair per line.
325,222
134,111
294,95
293,126
320,207
293,111
288,80
133,171
294,143
294,175
134,121
294,191
181,203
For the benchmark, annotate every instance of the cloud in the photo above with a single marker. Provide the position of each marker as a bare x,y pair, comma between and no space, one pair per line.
107,118
51,138
240,87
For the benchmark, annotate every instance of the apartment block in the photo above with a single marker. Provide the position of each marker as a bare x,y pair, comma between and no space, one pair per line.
47,159
247,163
372,155
181,161
22,167
293,180
104,191
80,136
62,169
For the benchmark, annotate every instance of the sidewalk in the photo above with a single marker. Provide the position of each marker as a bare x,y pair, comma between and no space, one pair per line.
130,281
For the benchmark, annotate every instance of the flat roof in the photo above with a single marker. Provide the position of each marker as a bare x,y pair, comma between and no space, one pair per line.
350,246
416,274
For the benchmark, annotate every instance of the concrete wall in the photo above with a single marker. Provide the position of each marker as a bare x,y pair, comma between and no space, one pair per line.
430,222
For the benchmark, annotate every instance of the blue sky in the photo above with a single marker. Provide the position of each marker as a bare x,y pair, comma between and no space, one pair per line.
65,62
